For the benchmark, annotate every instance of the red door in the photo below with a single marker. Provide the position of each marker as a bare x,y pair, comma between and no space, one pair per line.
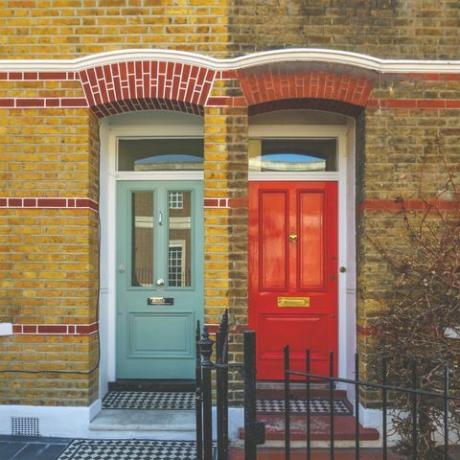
293,274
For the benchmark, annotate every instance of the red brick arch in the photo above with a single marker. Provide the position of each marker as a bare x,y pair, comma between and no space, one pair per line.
143,85
264,86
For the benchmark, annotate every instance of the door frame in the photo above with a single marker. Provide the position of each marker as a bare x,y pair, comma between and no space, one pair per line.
345,177
159,124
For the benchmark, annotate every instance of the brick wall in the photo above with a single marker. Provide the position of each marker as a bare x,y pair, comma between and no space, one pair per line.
411,150
226,169
48,227
59,29
383,28
49,162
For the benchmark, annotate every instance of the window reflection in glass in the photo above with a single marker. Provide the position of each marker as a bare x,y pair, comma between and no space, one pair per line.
160,154
293,155
142,239
179,239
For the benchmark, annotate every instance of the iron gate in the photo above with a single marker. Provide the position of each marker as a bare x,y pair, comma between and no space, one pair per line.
205,370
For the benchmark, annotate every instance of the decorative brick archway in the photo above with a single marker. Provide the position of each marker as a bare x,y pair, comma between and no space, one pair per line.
270,84
143,85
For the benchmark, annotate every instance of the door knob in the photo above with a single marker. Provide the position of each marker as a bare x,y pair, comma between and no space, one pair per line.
160,282
121,268
292,237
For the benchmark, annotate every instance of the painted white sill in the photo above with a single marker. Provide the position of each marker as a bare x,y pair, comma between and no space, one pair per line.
6,329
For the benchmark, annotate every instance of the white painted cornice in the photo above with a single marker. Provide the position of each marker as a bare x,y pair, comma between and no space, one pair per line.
357,60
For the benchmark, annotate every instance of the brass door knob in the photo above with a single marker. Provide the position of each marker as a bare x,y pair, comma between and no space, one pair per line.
293,237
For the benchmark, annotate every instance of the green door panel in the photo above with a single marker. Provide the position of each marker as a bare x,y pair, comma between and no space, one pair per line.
159,237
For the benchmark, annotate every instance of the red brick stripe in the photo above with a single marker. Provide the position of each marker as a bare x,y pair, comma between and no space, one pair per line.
241,202
426,104
55,329
86,203
38,76
365,331
48,203
411,205
224,74
29,102
216,203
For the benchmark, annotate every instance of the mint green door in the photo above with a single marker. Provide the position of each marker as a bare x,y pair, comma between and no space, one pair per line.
159,278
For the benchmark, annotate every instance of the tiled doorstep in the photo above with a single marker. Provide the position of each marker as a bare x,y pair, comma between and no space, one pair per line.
151,424
27,448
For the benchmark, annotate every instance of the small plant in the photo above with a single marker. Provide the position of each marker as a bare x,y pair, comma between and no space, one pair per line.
420,310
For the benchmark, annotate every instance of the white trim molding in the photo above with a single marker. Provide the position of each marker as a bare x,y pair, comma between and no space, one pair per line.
329,56
60,421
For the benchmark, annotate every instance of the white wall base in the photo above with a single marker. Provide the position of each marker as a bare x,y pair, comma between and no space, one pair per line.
370,418
65,422
73,422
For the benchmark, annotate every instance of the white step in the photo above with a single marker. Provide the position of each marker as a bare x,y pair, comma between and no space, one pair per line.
151,424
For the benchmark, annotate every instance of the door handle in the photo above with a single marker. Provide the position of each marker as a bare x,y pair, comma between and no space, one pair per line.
160,218
160,282
292,237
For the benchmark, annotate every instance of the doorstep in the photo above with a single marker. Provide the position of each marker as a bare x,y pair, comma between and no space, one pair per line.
173,425
146,415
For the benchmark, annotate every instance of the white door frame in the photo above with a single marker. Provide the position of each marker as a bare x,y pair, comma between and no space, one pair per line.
147,125
345,177
155,126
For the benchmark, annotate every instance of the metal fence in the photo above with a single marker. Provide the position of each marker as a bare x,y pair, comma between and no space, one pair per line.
204,390
414,393
205,384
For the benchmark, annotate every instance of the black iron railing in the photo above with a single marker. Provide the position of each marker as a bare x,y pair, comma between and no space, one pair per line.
205,367
204,390
415,394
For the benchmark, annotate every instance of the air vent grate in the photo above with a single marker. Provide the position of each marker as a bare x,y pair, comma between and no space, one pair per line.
25,426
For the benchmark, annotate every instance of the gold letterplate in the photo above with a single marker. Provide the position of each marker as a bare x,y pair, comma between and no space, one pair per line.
302,302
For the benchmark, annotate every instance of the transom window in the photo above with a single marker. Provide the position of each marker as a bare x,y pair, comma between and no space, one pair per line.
157,154
293,155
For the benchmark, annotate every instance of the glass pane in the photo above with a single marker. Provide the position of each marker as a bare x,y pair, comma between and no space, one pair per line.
293,155
160,154
180,239
142,239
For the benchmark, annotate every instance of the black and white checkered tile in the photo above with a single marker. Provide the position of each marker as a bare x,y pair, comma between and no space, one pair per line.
317,406
143,400
90,449
153,400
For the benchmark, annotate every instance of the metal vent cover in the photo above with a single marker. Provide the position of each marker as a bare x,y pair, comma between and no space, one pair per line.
25,426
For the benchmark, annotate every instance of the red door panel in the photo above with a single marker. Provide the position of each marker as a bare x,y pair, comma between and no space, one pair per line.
310,261
273,224
293,253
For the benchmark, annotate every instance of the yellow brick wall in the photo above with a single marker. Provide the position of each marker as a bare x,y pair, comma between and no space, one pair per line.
44,88
49,257
225,176
74,357
48,275
45,152
63,29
